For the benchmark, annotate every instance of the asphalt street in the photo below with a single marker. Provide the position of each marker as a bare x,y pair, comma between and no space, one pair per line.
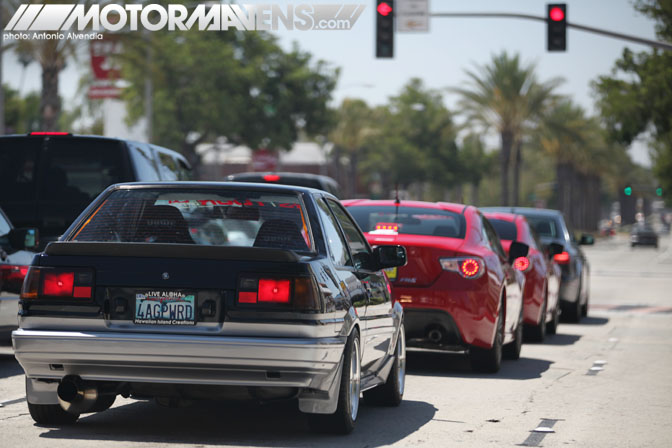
602,383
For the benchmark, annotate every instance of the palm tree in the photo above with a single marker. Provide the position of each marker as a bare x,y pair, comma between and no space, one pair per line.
52,55
507,96
582,158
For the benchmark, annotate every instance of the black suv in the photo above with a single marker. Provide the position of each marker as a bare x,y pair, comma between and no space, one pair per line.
48,178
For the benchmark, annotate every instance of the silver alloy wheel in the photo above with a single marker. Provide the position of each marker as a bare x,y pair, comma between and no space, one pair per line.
354,383
401,353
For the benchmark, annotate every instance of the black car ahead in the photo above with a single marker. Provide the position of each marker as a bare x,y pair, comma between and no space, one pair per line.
48,178
643,235
309,180
188,291
551,227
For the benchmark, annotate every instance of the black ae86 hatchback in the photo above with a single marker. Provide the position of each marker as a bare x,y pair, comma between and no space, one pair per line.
187,291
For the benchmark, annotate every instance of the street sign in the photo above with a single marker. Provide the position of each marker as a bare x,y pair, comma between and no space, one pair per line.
412,16
105,69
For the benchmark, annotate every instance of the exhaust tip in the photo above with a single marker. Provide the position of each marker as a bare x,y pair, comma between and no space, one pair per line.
68,391
435,335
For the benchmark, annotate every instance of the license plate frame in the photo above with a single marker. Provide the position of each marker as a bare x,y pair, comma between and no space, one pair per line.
165,307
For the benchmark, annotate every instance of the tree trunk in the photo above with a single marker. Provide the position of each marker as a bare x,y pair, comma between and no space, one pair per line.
50,103
504,158
517,164
474,193
352,182
194,159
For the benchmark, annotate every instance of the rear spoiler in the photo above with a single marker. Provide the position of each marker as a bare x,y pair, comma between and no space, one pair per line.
156,250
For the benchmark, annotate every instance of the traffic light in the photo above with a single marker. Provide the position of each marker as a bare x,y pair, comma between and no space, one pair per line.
385,28
659,191
628,190
556,26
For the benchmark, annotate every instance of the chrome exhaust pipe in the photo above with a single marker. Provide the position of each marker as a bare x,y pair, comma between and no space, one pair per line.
435,335
75,395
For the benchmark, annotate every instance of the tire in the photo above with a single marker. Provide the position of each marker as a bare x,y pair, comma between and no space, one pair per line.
343,420
489,360
552,326
574,310
51,414
537,333
103,403
391,393
512,349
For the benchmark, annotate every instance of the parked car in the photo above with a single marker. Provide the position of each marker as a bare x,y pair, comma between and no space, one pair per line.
128,302
459,289
48,178
643,235
541,308
551,227
16,253
318,181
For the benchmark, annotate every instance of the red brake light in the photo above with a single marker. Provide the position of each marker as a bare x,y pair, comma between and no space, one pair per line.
247,297
522,264
470,267
562,258
58,283
274,290
54,282
271,178
49,133
387,226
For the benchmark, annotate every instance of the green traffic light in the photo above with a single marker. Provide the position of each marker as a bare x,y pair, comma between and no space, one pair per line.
659,191
627,191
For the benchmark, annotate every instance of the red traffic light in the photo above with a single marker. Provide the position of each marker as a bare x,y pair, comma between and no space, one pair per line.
556,14
384,9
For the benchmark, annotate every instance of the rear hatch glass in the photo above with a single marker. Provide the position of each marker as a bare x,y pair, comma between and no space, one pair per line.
506,230
409,220
48,183
206,217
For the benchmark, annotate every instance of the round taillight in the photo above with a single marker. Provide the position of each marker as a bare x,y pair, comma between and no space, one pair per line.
470,267
522,264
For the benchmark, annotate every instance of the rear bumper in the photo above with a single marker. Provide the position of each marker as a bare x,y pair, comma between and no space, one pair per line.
305,363
467,317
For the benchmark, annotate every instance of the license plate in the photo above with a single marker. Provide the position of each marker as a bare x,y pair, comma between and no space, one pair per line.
165,308
391,273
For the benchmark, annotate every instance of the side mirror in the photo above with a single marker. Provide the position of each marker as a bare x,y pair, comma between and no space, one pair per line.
554,249
518,250
390,256
587,240
23,238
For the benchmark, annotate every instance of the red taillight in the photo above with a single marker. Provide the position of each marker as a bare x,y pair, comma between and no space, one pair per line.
49,133
271,178
13,273
58,283
300,293
274,290
522,264
470,267
562,258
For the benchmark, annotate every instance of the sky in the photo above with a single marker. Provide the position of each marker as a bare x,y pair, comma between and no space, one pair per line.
441,56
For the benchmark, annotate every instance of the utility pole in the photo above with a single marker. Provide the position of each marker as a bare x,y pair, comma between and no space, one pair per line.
149,91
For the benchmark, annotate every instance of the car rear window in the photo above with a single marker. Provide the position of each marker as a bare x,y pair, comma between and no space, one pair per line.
206,217
544,226
409,220
506,230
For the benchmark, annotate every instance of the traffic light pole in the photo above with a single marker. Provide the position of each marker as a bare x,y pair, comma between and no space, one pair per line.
590,29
